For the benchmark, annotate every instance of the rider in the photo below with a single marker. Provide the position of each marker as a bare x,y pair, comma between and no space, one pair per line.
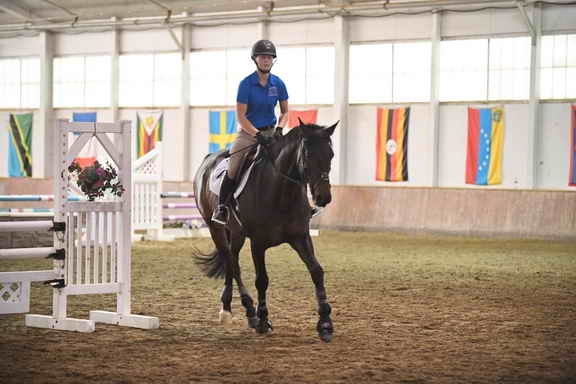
257,97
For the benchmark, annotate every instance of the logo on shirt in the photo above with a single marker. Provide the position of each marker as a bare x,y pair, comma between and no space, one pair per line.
273,91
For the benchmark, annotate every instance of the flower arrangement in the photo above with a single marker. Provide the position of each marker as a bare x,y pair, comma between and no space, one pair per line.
95,180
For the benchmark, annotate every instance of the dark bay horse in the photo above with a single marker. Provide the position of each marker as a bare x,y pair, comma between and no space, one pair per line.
273,209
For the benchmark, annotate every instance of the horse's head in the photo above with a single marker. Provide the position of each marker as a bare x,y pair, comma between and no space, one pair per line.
316,160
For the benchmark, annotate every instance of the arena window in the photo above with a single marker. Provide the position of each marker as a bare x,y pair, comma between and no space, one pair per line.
20,83
150,80
390,72
558,67
82,81
308,73
509,69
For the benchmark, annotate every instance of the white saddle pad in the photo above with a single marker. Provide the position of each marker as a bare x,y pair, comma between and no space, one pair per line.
218,175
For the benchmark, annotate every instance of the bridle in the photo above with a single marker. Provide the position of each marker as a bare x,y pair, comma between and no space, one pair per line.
303,172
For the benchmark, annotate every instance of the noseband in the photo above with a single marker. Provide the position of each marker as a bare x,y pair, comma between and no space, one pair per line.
301,162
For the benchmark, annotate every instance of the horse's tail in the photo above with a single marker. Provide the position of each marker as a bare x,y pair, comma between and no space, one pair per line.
212,264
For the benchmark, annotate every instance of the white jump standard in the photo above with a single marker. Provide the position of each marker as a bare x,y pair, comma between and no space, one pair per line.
93,254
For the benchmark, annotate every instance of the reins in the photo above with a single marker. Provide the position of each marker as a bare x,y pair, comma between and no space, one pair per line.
298,182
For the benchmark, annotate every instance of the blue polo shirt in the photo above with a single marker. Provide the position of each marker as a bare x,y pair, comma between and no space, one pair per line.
260,100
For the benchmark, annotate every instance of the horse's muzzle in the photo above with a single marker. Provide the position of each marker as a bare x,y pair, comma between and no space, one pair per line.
322,194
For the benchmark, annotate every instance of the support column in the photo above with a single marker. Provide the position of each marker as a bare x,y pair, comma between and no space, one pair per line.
185,103
45,132
534,129
342,52
114,79
434,99
264,30
264,25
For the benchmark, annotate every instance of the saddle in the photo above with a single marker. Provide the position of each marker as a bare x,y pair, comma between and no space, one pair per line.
253,157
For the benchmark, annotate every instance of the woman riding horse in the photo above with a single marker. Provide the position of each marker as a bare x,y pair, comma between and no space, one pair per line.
272,209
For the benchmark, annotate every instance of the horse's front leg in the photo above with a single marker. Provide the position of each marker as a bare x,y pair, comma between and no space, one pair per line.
305,250
247,302
264,325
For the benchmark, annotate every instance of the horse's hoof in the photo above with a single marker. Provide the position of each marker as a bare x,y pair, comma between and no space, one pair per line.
252,322
326,336
264,327
325,331
225,318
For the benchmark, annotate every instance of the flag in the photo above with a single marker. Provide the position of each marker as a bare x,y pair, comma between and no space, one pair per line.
392,144
20,145
222,130
572,180
87,155
485,139
150,126
307,117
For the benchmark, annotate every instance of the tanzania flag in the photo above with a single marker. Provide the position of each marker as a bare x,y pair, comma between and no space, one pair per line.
88,154
573,148
307,117
392,144
149,131
222,130
485,139
20,145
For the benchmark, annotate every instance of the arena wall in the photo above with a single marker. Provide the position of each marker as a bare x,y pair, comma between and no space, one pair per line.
461,211
502,213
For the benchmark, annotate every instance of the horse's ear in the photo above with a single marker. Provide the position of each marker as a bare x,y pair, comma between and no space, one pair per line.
330,130
300,121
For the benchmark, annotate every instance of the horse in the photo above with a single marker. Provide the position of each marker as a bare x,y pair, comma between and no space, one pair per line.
272,209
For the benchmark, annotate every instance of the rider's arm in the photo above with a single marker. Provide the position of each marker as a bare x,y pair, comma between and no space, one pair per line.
244,122
283,118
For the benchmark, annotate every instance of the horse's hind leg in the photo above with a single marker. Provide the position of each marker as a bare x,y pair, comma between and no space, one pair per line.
264,325
305,250
220,237
247,302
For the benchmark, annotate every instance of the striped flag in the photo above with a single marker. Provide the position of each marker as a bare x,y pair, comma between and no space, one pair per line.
392,144
149,131
307,117
485,140
222,130
20,145
88,154
572,180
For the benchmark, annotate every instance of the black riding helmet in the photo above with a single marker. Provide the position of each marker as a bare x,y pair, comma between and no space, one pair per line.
263,47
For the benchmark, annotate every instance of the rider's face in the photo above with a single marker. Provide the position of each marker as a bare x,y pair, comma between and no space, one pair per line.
264,63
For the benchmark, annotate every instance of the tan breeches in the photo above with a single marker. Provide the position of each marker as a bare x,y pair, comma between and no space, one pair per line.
237,161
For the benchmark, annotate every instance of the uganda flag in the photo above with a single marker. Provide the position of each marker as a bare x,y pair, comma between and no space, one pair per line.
149,131
392,144
20,145
485,140
572,180
222,130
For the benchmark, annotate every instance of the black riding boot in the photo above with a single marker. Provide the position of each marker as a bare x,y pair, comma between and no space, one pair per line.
220,214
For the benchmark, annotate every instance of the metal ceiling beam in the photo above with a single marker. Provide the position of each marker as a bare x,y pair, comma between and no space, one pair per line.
15,10
520,5
55,5
261,14
160,5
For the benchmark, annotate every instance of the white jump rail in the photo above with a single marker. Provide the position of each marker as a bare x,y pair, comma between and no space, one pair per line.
15,286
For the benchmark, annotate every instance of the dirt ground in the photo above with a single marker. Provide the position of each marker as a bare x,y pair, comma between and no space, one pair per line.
406,309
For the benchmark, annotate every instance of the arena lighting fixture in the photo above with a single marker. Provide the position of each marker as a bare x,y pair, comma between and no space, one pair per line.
260,13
